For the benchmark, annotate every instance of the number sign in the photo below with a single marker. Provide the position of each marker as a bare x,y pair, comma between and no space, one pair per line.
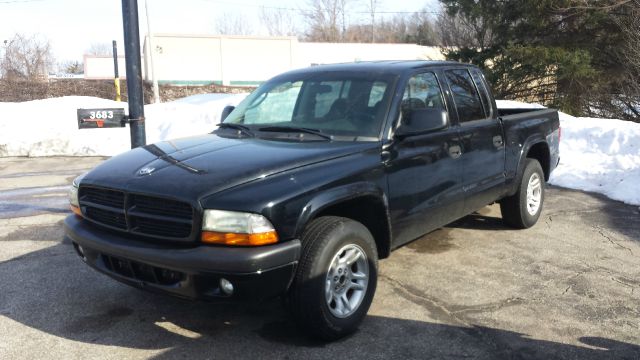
100,118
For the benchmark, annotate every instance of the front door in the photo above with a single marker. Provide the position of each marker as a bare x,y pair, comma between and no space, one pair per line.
423,171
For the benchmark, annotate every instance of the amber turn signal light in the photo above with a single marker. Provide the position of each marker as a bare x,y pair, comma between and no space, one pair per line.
76,210
265,238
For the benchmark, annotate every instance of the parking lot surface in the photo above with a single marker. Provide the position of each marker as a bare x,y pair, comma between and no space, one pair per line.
567,288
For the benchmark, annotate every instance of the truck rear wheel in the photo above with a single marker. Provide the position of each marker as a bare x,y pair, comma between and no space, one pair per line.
336,277
523,209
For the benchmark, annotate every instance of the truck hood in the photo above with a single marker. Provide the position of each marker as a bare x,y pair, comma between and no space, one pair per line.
192,168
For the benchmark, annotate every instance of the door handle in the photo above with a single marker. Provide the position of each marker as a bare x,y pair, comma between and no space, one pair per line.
385,155
455,151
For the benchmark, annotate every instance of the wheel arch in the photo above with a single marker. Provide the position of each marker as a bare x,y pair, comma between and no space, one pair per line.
364,202
540,151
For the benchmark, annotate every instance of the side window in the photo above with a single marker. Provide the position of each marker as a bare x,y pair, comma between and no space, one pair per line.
478,78
465,95
423,91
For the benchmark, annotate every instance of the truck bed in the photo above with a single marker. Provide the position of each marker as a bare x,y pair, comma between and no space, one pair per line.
523,126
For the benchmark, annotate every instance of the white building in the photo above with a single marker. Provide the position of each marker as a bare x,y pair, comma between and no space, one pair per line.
247,60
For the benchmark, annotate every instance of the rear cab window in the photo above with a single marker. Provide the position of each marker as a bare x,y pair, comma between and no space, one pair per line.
465,96
481,84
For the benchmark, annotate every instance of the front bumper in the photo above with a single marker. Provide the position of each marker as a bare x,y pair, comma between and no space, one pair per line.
256,273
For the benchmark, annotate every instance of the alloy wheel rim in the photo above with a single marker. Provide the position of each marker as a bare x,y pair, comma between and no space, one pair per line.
346,281
534,194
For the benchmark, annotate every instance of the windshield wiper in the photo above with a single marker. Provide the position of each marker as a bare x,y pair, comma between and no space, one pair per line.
241,128
296,129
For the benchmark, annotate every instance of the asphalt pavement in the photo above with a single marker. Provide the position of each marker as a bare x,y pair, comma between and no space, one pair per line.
568,288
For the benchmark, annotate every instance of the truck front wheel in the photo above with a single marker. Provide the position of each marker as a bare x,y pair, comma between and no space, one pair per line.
336,277
523,209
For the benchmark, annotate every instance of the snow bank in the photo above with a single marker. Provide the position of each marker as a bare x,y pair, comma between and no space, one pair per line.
598,155
49,127
511,104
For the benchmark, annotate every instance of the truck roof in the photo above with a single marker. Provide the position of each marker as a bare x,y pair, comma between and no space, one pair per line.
385,66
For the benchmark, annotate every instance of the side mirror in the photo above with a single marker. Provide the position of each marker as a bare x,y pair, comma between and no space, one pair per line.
421,121
226,111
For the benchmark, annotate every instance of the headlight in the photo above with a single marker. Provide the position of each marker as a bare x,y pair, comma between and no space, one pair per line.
73,195
237,228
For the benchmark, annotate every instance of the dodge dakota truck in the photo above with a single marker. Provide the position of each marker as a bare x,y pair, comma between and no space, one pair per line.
308,182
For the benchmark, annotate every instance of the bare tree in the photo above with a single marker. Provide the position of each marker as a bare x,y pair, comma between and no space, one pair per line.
372,7
343,14
71,67
630,89
231,24
457,30
326,20
26,57
631,30
279,22
417,28
100,49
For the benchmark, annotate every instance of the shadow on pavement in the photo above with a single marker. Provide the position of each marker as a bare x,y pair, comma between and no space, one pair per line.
52,291
615,215
598,210
477,221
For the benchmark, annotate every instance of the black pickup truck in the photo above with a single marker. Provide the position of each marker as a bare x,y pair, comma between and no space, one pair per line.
314,176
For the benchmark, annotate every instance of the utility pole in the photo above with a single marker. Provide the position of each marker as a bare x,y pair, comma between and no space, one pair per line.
372,7
152,71
134,72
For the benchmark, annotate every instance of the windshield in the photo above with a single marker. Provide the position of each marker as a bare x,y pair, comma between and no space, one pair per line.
337,104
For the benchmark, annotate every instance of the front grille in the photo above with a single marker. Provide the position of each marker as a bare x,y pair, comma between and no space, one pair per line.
160,228
138,214
104,197
164,207
107,217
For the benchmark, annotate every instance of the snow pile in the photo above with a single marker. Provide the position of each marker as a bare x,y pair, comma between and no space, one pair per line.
598,155
511,104
49,127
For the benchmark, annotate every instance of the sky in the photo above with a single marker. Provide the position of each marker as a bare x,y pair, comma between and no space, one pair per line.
72,26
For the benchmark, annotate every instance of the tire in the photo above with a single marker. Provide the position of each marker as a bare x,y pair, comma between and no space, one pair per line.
521,211
314,297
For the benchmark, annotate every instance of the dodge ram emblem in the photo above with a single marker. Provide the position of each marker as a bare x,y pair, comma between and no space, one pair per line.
146,171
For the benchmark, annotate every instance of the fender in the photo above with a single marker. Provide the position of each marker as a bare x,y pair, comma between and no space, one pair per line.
343,193
528,144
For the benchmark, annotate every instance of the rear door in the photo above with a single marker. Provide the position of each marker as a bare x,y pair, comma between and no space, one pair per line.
423,171
481,138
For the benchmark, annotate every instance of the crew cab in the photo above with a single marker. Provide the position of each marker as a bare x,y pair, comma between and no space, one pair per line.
308,182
